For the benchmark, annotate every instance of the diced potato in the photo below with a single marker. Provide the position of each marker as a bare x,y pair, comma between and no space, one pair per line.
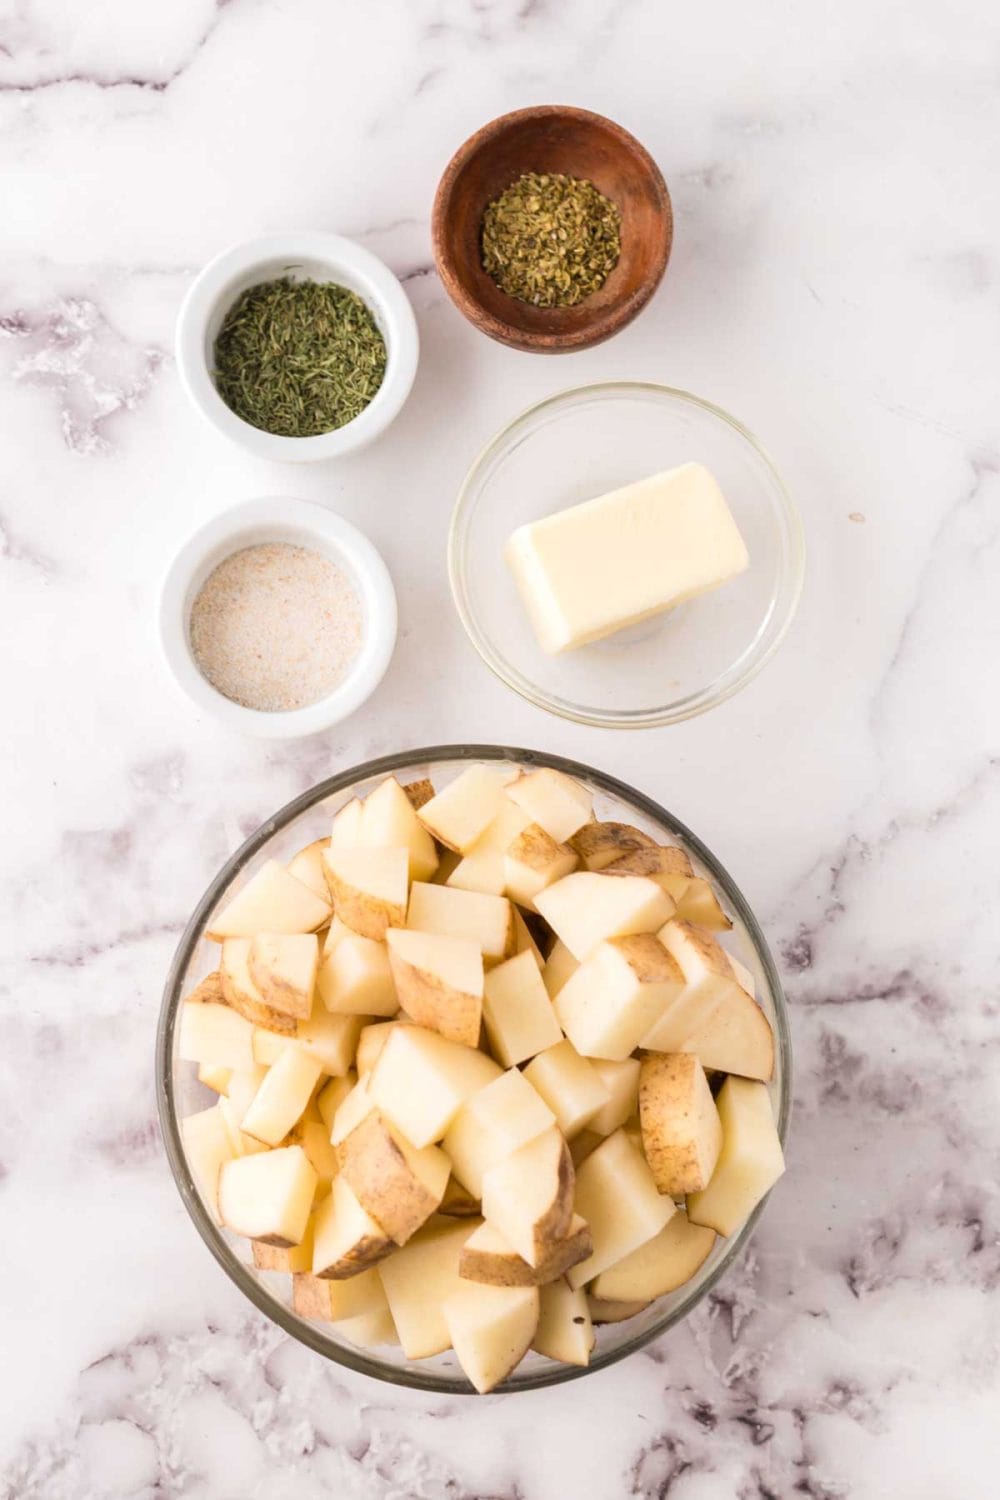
750,1162
215,1034
418,1280
659,1266
314,1138
700,905
243,1145
271,901
336,1301
616,996
215,1077
497,1120
616,1194
421,1080
388,821
398,1185
419,793
242,994
621,1079
243,1085
307,866
283,1095
482,869
208,992
333,1039
439,981
369,888
534,861
569,1085
708,980
559,966
491,1328
520,1021
600,844
528,1196
553,800
462,812
370,1043
346,1239
681,1131
283,968
565,1330
352,1109
669,866
207,1147
486,1256
346,830
370,1330
332,1095
485,920
355,978
292,1259
613,1312
585,909
735,1037
269,1196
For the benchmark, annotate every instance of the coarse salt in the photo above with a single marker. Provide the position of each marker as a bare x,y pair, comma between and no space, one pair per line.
276,627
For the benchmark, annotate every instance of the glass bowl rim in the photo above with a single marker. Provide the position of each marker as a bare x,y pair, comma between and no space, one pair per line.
413,1376
788,587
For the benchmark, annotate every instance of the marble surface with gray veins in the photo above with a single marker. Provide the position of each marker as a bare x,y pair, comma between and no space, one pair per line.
835,282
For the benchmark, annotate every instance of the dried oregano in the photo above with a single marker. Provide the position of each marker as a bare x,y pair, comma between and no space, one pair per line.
550,239
298,357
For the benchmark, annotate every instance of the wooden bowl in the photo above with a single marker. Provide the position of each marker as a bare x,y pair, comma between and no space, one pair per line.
552,138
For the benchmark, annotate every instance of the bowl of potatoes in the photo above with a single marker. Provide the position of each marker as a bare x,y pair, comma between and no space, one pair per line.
473,1069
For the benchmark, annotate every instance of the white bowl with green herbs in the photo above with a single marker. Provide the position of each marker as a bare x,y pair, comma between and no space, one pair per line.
298,347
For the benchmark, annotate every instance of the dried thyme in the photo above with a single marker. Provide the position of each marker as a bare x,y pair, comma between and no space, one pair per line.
550,239
298,357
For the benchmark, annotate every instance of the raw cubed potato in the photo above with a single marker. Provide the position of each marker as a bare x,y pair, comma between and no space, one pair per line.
345,832
616,1194
271,901
491,1328
283,968
215,1034
569,1085
565,1330
282,1096
369,888
314,1138
482,868
558,804
333,1039
486,1256
708,979
215,1077
269,1196
207,1146
616,996
370,1330
289,1260
243,1085
419,793
418,1280
398,1185
659,1266
485,920
600,844
700,905
352,1109
346,1239
613,1312
439,981
388,821
750,1162
370,1043
528,1196
243,1145
520,1021
355,978
735,1037
336,1301
495,1121
332,1095
533,862
584,909
458,1202
462,812
421,1080
307,866
559,966
669,866
242,994
681,1131
208,991
621,1079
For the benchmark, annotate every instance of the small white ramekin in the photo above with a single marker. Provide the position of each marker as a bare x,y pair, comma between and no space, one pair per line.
299,522
320,257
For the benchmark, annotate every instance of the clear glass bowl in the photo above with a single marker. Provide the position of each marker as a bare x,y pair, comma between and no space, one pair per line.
179,1093
583,443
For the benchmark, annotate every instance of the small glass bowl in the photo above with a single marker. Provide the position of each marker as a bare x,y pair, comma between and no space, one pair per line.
179,1093
585,442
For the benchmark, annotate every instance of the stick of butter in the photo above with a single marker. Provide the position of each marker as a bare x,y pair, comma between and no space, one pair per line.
598,567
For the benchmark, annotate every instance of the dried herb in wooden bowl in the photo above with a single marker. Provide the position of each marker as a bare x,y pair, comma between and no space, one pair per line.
299,358
551,239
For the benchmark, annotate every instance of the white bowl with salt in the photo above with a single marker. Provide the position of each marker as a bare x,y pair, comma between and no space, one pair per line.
278,617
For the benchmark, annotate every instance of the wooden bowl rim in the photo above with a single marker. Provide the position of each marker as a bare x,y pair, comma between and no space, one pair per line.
603,324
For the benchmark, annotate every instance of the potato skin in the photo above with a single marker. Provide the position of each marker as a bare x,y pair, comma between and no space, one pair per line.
208,992
419,793
383,1181
681,1129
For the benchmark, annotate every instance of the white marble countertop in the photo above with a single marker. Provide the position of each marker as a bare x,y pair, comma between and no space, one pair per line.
834,282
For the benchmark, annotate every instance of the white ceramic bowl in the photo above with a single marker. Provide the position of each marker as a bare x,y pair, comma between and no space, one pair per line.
279,519
311,255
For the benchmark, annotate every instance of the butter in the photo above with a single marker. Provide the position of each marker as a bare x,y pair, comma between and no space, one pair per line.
598,567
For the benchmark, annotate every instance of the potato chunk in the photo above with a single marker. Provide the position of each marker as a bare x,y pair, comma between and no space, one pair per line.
750,1162
681,1130
271,901
269,1196
397,1184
